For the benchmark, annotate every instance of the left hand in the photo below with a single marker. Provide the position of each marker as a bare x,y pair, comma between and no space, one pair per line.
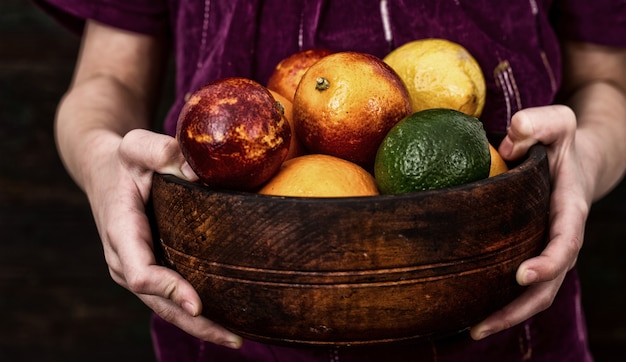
555,127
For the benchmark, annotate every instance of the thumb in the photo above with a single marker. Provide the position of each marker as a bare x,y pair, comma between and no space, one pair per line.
146,152
536,125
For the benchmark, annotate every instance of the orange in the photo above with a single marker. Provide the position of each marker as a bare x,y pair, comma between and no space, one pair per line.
498,165
319,175
287,74
346,103
295,147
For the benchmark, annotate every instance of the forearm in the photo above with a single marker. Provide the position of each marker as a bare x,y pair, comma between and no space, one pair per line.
600,108
91,121
114,90
594,86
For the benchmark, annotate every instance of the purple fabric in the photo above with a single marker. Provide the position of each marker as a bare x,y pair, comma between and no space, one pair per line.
514,42
510,42
558,334
599,21
141,16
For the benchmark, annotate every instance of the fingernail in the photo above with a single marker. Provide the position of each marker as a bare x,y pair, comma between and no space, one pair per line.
485,334
189,308
506,148
234,344
530,276
187,171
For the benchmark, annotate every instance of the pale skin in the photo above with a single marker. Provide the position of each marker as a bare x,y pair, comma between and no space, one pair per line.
103,137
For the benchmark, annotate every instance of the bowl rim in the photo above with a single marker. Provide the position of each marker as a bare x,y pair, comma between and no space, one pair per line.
534,156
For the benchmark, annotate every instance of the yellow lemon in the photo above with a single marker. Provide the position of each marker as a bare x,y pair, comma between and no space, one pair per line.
439,74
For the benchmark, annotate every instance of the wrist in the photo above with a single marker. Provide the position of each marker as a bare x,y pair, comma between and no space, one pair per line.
91,157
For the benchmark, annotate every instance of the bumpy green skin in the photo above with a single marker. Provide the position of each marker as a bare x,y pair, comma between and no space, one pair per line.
432,149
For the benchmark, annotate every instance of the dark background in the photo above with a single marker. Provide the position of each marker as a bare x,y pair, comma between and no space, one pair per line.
57,300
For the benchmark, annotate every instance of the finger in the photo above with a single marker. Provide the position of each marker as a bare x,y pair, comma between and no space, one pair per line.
129,252
197,326
529,127
544,274
131,260
166,292
137,269
146,151
535,299
566,238
568,213
558,258
159,281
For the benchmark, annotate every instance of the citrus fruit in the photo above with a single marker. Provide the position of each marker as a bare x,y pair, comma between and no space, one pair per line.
498,165
295,147
233,134
346,103
318,175
440,74
432,149
288,72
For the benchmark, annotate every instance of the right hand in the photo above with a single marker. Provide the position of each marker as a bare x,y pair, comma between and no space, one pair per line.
118,199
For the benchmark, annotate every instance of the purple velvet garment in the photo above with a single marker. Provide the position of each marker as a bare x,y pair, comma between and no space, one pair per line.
514,42
557,334
510,42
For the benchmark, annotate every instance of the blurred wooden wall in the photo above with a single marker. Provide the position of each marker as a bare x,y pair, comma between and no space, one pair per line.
57,300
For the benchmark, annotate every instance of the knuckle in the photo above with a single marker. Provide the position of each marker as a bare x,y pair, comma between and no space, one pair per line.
166,151
127,148
167,312
544,301
131,138
117,278
554,270
151,150
523,129
566,113
135,135
508,322
567,116
574,246
137,283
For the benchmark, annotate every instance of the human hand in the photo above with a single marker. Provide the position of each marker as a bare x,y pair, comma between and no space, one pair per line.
555,127
117,199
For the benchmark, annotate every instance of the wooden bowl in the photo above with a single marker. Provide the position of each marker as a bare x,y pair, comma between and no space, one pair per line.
354,271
